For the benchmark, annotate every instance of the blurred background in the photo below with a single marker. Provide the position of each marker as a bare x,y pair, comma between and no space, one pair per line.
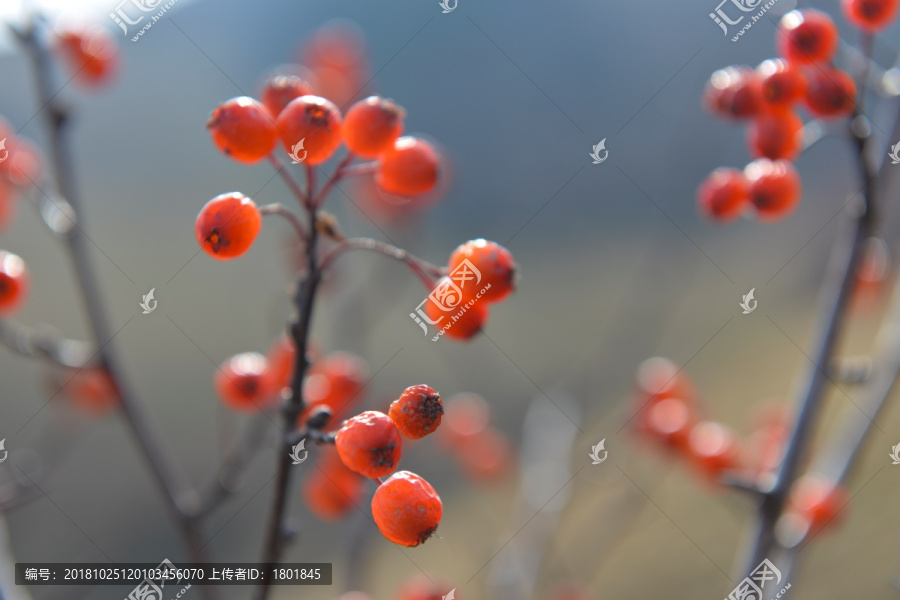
616,266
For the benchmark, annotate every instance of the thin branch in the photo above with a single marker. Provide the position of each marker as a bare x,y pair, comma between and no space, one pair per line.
281,211
46,343
426,271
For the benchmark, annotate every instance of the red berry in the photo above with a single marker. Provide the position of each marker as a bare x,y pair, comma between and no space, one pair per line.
337,382
870,15
417,412
817,500
669,420
406,509
14,282
831,93
723,195
807,36
369,444
421,587
774,188
495,265
91,391
227,225
408,167
485,456
241,382
776,135
713,448
7,203
462,322
24,164
783,82
372,125
332,491
282,357
280,90
243,129
316,122
734,92
92,54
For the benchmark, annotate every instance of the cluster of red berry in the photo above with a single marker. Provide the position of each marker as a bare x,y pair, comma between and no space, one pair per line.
668,415
769,95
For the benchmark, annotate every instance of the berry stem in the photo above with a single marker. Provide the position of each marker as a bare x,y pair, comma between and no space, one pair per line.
835,295
180,498
292,184
304,300
282,211
338,174
425,271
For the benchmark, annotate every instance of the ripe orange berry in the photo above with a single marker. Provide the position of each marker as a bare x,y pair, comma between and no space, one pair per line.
723,195
406,509
776,135
421,587
314,120
227,225
408,167
831,93
417,412
332,491
493,261
336,56
817,500
90,390
713,448
282,357
733,93
669,420
462,323
335,381
369,444
14,282
783,82
243,129
241,381
807,36
280,90
486,456
372,125
774,188
870,15
91,53
24,164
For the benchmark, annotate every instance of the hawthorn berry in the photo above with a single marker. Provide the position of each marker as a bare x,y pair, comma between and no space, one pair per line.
243,129
417,412
783,82
870,15
831,93
485,456
774,188
280,90
713,448
241,382
372,125
91,53
336,381
282,357
314,120
669,420
421,587
332,491
336,57
495,264
817,500
227,225
90,390
406,509
723,195
659,378
369,444
408,167
14,282
24,164
463,326
807,36
734,93
776,135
